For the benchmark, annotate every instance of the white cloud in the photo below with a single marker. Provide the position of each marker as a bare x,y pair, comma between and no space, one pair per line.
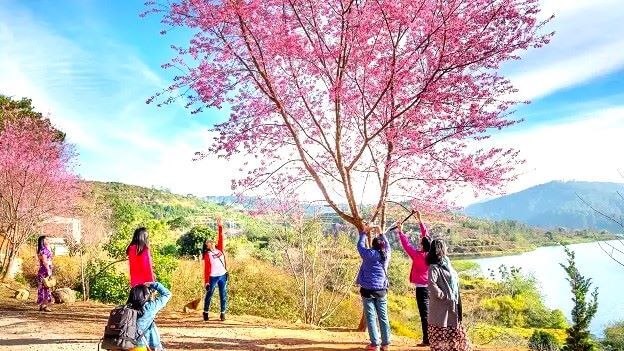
97,96
585,147
589,42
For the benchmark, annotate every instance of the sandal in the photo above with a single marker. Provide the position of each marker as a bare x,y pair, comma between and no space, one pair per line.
46,309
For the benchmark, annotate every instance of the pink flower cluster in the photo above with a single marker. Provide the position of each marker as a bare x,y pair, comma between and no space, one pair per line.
385,98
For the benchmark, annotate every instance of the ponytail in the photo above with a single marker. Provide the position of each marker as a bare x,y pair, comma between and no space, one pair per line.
379,244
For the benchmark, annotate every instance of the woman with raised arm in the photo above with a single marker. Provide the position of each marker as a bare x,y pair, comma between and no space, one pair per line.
215,271
140,258
419,275
44,295
147,306
373,281
446,332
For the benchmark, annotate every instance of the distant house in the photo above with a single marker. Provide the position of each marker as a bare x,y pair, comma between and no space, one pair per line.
61,233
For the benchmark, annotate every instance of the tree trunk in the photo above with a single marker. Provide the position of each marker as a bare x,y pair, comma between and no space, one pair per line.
85,290
7,265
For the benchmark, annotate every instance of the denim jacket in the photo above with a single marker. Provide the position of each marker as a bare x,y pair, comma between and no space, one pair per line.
150,309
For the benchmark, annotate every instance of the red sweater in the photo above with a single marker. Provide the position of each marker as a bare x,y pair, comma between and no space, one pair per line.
141,270
207,266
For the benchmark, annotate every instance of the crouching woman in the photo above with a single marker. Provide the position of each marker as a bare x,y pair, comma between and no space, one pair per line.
141,300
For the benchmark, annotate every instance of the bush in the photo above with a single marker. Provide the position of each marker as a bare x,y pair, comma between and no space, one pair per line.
255,288
164,267
187,284
107,284
614,337
191,243
66,270
543,341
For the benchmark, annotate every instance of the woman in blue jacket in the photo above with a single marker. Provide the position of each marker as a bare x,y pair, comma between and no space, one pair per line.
140,300
373,281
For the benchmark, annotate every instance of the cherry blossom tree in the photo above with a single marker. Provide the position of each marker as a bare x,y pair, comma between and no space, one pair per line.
36,182
367,100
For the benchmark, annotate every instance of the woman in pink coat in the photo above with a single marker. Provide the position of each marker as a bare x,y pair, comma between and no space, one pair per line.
419,275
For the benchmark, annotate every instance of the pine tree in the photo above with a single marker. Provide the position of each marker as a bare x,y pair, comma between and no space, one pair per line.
583,312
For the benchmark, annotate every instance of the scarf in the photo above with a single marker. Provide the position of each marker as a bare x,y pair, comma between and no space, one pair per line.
454,283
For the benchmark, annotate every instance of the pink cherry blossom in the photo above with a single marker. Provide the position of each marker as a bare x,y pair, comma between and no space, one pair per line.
381,99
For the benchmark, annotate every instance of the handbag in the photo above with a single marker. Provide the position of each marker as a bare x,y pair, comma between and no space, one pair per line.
49,282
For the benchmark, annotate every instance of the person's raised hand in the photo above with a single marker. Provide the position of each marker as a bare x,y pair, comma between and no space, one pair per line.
219,221
418,215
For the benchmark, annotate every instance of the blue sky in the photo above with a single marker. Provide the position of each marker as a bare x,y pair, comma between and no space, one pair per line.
92,64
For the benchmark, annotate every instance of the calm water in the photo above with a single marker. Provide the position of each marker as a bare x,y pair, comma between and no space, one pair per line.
592,262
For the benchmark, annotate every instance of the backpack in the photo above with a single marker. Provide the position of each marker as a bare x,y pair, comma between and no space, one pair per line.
121,332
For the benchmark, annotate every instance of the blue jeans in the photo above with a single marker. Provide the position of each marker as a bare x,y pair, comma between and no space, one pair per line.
221,281
376,309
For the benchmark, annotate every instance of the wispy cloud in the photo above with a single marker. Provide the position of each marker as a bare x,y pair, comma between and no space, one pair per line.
589,42
96,94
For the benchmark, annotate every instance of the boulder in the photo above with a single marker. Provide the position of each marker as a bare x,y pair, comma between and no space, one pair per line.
64,295
22,294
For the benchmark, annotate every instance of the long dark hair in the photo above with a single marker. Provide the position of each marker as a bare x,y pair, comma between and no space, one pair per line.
425,243
139,239
379,244
437,252
139,295
40,243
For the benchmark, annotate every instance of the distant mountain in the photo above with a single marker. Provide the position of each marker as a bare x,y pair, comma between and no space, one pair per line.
249,203
557,204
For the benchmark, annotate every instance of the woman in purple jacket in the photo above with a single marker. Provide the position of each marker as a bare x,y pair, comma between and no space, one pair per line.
373,281
419,275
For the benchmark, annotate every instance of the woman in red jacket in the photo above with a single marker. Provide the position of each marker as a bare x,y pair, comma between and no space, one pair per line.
419,275
215,271
140,259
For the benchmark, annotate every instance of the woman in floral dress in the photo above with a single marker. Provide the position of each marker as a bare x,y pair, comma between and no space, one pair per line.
44,294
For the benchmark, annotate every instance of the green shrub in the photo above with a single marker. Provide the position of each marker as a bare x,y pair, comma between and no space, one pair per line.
191,243
543,341
164,267
614,337
107,284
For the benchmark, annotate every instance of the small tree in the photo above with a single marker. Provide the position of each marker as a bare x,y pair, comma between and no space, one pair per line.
321,266
36,181
583,312
191,243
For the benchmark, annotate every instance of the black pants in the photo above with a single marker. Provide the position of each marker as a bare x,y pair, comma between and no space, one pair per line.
422,300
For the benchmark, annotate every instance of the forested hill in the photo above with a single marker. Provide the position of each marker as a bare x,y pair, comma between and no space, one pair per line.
557,204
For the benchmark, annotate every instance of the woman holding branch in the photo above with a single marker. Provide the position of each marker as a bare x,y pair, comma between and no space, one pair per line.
373,281
215,271
419,274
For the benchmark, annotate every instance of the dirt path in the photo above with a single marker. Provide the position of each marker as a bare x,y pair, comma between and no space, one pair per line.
79,326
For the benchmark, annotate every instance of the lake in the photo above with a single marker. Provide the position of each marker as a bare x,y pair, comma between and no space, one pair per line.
591,261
